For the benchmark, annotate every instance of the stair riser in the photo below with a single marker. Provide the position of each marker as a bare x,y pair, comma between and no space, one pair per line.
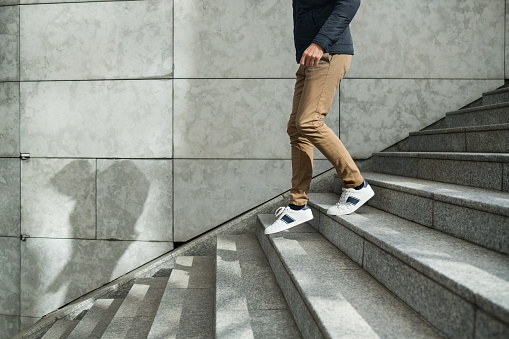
482,142
482,228
429,299
303,318
495,98
478,118
489,175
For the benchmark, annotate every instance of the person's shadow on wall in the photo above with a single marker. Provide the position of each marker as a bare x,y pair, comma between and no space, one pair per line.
122,195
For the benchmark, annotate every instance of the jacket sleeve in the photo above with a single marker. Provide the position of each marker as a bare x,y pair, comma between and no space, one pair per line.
338,21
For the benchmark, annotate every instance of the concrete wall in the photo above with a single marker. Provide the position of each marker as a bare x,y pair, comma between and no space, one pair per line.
149,122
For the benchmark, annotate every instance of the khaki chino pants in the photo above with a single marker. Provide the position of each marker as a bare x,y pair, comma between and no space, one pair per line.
314,91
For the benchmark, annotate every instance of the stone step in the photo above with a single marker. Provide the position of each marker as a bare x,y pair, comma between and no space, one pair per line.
249,302
477,215
483,139
186,309
460,288
330,295
497,96
485,170
479,116
60,329
97,319
135,316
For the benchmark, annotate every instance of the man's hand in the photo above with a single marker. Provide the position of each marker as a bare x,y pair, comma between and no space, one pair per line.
312,55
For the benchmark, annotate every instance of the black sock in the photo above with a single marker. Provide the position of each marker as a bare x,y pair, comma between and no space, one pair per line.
360,186
295,207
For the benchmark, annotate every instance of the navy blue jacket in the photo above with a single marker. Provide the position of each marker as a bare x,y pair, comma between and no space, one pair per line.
324,22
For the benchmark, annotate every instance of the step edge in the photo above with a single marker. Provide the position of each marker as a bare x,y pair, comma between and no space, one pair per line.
466,129
438,191
478,109
458,156
309,305
491,307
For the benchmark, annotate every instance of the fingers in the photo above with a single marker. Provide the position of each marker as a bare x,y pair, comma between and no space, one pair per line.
311,56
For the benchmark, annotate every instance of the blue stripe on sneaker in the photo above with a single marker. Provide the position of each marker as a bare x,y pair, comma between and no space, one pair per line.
352,200
286,218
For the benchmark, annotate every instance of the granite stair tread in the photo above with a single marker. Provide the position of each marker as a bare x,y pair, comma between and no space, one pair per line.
135,315
496,113
60,329
476,274
249,302
450,130
187,304
485,139
330,295
480,216
496,96
97,319
479,108
460,156
486,200
483,170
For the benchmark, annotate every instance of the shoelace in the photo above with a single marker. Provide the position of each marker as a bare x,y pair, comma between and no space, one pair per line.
344,196
279,211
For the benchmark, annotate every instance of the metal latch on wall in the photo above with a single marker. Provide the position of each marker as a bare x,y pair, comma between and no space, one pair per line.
24,156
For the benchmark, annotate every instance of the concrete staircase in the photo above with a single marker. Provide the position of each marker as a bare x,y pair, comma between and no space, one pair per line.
427,258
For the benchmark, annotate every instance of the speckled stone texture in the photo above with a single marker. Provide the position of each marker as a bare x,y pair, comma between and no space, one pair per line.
505,178
204,187
94,323
489,327
486,229
349,242
9,115
187,306
134,200
488,115
496,97
432,39
56,271
60,329
477,170
10,197
470,173
206,31
97,119
58,197
403,204
96,40
377,113
438,142
343,299
480,277
496,141
136,314
249,122
303,318
247,295
9,40
449,313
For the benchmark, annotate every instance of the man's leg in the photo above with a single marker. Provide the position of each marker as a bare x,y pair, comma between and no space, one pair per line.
301,149
320,85
297,211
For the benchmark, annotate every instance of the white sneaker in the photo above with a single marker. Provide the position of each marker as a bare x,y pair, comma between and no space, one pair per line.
351,199
288,218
